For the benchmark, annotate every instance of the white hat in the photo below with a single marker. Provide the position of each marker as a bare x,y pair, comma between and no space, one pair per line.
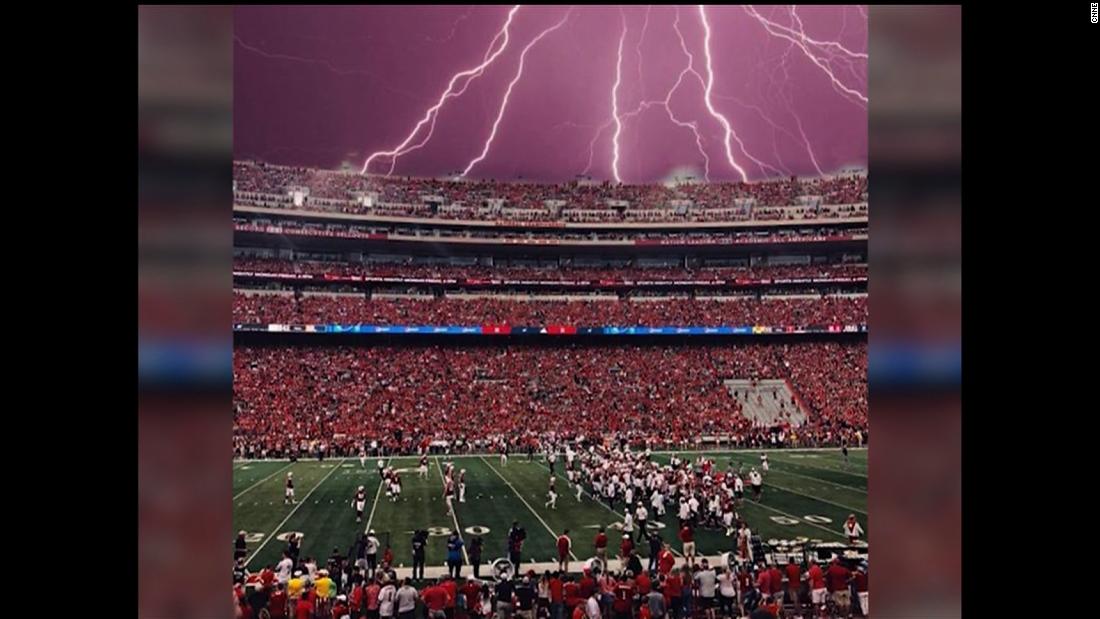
360,487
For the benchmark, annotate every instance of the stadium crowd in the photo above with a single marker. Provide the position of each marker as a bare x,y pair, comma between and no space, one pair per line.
339,399
551,273
652,312
543,235
697,494
294,589
260,184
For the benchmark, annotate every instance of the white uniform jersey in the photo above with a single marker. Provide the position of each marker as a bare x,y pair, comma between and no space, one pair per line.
852,529
685,511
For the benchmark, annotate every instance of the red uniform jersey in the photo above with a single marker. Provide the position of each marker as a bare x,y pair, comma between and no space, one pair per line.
860,579
837,577
665,561
777,581
794,576
563,546
816,577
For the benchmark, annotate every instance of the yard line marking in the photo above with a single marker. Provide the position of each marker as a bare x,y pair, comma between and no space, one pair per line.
821,468
800,520
241,493
816,498
818,479
548,529
601,504
377,493
280,525
454,512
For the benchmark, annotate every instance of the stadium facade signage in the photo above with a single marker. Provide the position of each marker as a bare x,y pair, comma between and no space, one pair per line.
490,329
529,224
740,281
746,240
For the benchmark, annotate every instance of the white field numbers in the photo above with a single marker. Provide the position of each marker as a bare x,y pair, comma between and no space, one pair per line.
618,526
787,520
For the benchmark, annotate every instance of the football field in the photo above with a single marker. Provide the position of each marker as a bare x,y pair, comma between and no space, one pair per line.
807,494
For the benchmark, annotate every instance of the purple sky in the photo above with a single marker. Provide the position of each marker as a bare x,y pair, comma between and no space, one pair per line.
321,86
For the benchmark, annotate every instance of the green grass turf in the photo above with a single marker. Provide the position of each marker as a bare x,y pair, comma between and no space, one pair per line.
817,484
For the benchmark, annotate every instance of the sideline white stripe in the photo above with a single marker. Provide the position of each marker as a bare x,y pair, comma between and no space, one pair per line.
279,526
241,493
377,493
454,510
520,496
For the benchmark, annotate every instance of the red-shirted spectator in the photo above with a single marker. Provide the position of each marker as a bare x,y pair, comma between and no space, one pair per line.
837,578
564,545
794,585
435,599
626,547
666,560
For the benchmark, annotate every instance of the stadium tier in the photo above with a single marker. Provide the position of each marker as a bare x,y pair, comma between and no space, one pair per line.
348,288
446,273
663,397
319,308
278,187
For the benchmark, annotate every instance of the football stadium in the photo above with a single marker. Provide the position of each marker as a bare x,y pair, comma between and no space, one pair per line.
639,391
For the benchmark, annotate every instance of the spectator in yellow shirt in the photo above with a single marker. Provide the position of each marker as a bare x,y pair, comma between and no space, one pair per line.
294,586
324,585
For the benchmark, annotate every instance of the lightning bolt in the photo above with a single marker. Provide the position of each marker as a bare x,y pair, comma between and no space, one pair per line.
667,102
324,63
638,47
801,41
592,145
508,91
709,86
432,113
767,119
454,29
805,140
802,35
615,105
